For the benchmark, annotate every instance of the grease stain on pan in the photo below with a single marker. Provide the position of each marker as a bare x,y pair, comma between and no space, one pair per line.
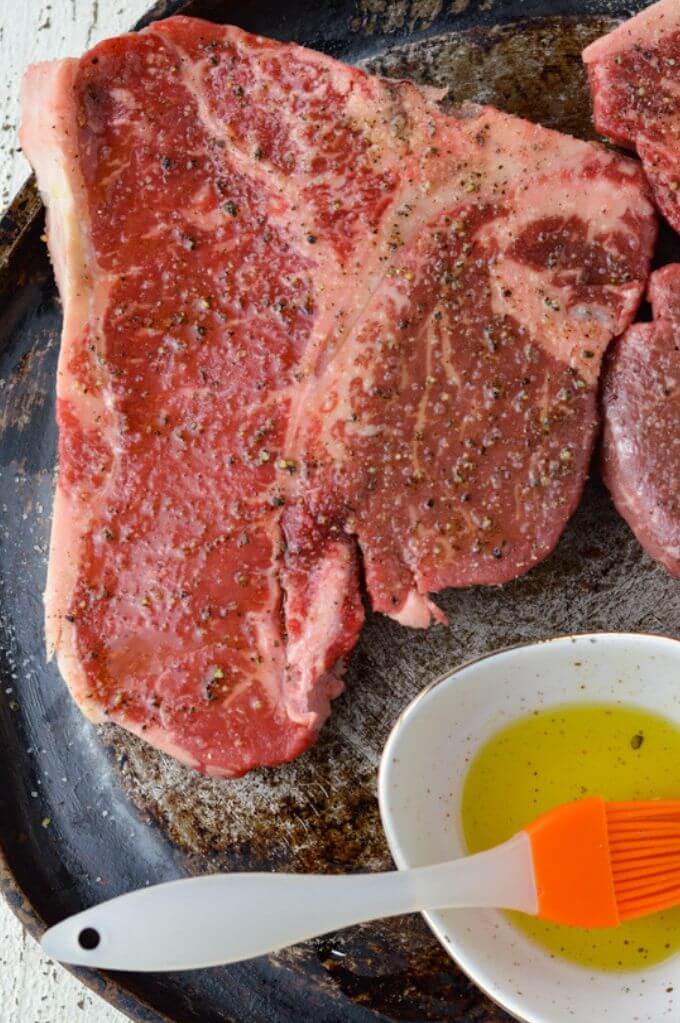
317,813
387,16
24,392
532,70
17,220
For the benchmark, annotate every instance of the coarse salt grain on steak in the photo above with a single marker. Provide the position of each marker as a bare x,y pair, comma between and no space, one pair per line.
634,75
305,314
641,443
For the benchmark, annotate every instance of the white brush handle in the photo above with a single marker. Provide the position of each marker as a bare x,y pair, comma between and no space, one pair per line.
222,918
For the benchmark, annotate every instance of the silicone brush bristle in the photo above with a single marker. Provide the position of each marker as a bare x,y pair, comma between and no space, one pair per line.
644,850
597,864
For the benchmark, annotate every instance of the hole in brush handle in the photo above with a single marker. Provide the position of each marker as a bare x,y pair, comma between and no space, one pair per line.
89,939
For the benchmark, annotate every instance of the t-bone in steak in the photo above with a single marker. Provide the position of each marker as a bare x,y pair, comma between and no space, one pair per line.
306,317
634,77
641,448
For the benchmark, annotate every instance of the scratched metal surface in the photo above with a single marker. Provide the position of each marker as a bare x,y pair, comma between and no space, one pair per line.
87,814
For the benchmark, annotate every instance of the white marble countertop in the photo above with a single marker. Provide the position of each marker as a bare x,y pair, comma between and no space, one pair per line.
32,988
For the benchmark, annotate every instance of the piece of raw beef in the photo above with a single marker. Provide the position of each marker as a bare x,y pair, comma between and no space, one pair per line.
308,320
641,443
634,75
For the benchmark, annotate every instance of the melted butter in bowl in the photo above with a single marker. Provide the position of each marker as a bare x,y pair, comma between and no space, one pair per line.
619,752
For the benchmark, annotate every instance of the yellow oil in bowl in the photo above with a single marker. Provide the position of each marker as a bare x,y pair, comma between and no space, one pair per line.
550,757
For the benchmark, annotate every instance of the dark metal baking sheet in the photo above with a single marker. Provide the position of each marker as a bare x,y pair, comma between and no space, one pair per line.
89,813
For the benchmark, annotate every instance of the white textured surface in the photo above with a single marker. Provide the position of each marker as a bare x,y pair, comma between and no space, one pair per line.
32,988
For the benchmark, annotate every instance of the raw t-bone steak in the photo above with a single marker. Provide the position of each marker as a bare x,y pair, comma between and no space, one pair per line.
307,319
641,397
634,77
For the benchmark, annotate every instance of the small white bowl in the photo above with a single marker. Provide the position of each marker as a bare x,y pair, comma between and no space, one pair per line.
420,785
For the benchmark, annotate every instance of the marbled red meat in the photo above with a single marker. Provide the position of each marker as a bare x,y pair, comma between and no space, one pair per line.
307,317
634,75
641,444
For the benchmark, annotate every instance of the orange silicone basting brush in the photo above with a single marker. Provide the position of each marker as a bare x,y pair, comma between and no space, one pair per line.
597,864
589,864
